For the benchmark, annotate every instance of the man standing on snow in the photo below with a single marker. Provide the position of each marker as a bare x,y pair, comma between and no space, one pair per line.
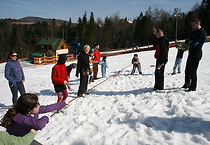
96,60
161,56
83,69
196,41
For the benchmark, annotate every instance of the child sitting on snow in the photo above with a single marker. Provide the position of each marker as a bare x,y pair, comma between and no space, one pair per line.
136,64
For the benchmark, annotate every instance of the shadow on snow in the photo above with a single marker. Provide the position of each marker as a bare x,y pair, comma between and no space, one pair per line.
184,124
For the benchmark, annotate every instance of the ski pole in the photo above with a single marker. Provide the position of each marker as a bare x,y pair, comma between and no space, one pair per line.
89,90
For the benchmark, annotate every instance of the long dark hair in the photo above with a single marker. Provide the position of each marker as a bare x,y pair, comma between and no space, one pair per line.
10,53
24,105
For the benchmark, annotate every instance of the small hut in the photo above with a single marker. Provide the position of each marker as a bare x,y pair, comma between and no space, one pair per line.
52,46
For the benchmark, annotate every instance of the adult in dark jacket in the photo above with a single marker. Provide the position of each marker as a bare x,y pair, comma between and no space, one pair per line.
161,56
83,69
196,41
14,74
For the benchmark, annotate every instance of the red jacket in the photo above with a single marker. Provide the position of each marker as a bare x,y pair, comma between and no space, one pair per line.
97,55
59,74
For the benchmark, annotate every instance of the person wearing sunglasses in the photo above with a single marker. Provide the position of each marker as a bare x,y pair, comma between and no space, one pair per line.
14,74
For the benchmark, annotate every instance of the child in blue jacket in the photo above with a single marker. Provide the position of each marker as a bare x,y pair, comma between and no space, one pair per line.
104,65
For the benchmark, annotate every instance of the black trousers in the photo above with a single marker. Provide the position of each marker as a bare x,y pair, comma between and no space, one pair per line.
159,75
191,73
83,84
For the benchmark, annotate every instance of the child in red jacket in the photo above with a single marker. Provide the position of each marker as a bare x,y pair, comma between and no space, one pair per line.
60,78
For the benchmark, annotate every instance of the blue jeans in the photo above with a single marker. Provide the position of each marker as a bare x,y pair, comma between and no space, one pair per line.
14,89
103,71
177,65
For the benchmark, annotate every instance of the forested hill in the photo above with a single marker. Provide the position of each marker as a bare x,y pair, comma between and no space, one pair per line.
40,20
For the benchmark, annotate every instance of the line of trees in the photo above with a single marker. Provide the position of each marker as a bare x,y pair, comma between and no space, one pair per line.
111,33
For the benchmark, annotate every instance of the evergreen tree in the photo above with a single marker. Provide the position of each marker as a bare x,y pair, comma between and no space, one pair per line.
107,37
204,15
91,31
138,30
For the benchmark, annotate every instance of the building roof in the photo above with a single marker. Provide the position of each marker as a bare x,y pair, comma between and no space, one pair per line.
38,54
54,42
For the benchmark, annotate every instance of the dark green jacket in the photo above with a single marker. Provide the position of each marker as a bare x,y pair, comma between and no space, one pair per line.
7,139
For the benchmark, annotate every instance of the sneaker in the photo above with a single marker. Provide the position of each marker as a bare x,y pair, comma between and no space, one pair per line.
157,89
173,73
81,96
185,86
189,90
154,89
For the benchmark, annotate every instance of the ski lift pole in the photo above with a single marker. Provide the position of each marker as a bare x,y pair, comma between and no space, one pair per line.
89,90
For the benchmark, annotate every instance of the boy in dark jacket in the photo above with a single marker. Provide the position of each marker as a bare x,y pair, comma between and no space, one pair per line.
178,61
161,56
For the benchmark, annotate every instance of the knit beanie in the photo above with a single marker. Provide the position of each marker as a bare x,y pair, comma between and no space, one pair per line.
62,58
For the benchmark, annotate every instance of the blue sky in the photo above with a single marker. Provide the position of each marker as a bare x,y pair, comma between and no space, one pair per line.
64,9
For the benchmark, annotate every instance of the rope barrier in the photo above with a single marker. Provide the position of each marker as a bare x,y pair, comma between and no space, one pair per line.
90,90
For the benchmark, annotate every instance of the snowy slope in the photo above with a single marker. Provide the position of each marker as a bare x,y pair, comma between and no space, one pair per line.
124,110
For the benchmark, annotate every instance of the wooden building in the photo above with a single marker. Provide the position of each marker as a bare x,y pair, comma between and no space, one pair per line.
52,46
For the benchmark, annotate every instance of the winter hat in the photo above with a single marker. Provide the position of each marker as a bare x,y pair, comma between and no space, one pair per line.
62,58
104,57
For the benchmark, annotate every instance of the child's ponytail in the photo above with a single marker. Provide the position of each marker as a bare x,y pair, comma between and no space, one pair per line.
7,119
25,104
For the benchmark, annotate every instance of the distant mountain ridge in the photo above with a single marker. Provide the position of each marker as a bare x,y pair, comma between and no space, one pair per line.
39,19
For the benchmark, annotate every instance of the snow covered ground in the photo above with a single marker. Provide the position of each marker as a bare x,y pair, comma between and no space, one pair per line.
124,110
